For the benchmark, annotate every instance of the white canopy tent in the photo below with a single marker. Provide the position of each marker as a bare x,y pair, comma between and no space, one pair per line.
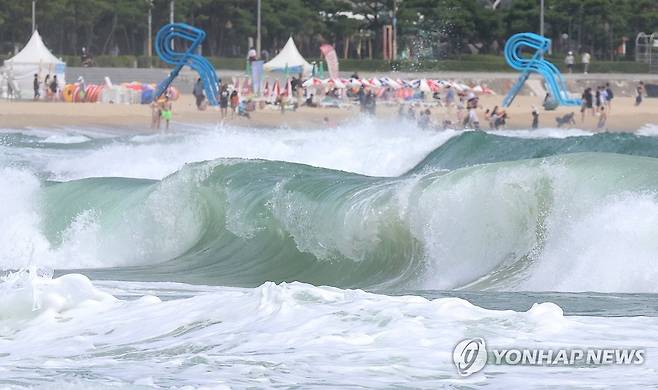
35,58
289,59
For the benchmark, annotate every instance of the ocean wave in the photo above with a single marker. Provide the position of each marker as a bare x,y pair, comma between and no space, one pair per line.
538,225
70,333
370,148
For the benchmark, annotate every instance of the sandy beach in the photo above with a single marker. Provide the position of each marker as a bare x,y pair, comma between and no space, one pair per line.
624,116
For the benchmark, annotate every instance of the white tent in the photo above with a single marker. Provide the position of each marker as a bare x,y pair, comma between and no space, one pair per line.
290,59
35,58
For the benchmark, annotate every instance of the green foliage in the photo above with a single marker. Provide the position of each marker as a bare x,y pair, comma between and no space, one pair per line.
427,29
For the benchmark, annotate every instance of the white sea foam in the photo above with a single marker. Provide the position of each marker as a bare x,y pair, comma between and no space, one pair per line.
286,335
369,148
66,139
648,130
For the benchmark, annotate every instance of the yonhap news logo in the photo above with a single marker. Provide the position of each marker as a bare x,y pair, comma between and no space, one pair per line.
472,355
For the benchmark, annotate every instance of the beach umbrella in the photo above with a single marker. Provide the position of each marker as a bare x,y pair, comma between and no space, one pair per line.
338,83
405,83
365,83
424,86
374,83
266,89
288,88
354,82
276,89
487,91
391,83
335,83
420,84
434,86
312,82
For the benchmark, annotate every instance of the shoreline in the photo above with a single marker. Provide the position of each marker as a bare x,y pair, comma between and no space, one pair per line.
25,115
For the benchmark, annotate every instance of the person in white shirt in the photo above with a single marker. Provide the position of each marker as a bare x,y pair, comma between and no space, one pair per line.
570,60
586,58
251,55
604,97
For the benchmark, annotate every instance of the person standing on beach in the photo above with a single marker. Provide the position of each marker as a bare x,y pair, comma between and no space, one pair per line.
639,93
588,103
370,103
610,95
283,101
83,89
450,96
570,60
491,117
535,118
36,86
54,87
586,58
603,118
198,94
223,101
156,114
234,100
46,86
472,121
167,113
361,95
604,96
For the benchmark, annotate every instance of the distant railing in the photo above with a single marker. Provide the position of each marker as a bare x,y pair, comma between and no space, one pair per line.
646,50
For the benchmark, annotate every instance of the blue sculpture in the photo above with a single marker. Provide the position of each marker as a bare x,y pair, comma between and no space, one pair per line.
164,48
557,87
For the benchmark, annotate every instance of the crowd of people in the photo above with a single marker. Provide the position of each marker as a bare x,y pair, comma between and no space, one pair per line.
598,103
50,87
460,108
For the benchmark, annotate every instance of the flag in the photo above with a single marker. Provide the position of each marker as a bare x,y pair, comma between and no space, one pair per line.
257,75
332,60
245,87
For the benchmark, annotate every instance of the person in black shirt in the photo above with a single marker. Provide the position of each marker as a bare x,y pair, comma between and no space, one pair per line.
611,96
639,93
223,101
198,94
54,87
309,101
588,103
361,96
36,83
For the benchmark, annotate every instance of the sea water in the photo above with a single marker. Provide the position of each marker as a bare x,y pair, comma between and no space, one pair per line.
359,256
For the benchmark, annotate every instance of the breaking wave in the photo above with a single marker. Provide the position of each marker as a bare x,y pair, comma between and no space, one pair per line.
480,212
